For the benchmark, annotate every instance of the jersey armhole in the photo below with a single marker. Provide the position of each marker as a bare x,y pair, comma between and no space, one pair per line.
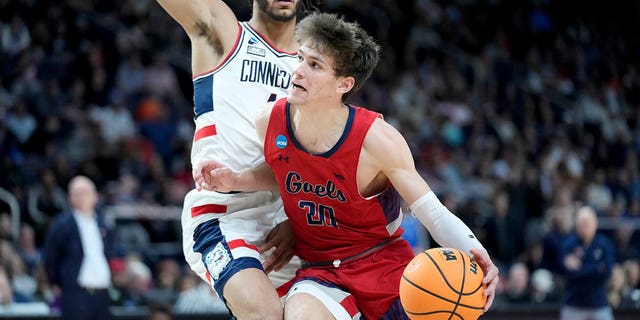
226,59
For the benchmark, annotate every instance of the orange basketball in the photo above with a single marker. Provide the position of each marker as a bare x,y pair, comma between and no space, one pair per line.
442,283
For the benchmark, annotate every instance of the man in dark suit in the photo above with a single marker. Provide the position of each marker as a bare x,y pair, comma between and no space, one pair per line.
588,259
75,255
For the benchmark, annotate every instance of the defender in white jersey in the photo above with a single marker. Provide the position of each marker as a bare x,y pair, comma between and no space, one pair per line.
237,67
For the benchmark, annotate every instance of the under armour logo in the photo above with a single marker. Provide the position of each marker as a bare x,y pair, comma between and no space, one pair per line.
281,158
338,176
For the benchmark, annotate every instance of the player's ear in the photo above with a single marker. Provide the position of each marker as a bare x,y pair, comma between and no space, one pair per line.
346,84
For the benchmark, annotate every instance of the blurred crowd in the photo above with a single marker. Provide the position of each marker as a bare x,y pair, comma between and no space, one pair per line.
518,113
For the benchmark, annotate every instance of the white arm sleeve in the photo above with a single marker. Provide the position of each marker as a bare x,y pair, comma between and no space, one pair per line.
445,227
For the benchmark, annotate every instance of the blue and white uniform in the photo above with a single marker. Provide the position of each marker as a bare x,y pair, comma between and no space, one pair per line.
221,232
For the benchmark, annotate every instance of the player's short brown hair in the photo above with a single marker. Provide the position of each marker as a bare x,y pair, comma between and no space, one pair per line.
354,52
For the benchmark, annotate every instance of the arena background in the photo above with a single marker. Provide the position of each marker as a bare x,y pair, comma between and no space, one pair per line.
517,113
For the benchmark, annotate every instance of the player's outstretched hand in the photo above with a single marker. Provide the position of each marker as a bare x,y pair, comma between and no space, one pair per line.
491,278
213,176
282,239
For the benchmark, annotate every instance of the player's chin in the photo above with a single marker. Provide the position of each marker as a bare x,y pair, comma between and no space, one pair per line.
283,15
296,101
296,97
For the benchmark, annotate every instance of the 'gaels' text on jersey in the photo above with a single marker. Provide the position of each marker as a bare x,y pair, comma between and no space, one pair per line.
330,218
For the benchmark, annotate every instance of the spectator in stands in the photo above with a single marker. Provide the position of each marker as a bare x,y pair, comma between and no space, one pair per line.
616,286
588,259
517,286
559,223
167,274
21,281
27,249
75,255
15,37
500,231
7,294
543,288
5,226
46,199
195,296
139,282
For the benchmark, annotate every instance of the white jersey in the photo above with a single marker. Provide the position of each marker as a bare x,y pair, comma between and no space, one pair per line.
227,98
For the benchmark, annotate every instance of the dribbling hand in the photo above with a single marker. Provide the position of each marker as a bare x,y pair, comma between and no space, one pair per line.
491,278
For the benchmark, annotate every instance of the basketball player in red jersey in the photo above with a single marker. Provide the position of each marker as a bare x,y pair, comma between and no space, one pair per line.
237,67
342,171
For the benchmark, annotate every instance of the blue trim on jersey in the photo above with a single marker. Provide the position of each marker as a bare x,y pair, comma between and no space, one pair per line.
334,149
389,201
203,95
259,37
206,236
395,312
203,84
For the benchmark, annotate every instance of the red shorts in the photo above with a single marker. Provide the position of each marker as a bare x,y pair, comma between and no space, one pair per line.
370,283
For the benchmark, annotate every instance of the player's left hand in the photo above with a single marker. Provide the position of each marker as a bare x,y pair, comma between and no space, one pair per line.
491,279
213,176
282,239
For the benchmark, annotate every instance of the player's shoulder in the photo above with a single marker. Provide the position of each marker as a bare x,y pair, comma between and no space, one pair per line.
263,116
265,111
384,142
381,132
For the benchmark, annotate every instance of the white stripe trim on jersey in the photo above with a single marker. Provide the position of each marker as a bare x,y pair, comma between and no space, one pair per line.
227,60
244,252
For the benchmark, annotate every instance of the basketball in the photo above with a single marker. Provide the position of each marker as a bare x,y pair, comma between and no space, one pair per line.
442,283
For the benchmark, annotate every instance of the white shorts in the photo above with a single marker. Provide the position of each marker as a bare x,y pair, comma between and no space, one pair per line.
330,296
221,234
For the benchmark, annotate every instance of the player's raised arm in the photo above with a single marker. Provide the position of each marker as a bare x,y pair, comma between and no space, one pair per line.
196,15
211,26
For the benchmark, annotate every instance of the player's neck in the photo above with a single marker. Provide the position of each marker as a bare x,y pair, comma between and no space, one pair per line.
280,34
319,129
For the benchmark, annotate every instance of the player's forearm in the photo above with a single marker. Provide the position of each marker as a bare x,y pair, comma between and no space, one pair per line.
256,179
445,227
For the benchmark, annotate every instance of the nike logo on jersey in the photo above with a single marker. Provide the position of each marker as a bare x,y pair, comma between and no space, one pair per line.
264,72
294,184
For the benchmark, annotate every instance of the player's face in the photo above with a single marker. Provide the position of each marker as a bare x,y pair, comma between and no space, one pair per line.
314,79
278,10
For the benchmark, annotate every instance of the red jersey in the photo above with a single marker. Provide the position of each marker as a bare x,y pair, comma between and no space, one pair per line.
330,219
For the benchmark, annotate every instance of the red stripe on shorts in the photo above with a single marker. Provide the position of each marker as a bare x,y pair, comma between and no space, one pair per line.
208,208
283,289
237,243
349,304
205,132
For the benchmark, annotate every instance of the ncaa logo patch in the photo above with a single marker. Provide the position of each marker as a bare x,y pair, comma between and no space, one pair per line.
281,142
253,40
216,260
